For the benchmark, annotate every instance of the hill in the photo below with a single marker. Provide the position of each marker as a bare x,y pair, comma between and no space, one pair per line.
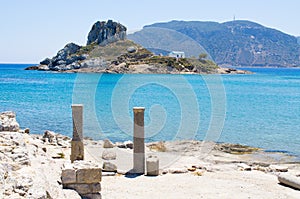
237,43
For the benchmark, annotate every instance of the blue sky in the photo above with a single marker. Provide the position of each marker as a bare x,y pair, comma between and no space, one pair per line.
32,30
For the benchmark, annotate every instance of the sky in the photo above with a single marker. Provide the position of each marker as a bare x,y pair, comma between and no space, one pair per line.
32,30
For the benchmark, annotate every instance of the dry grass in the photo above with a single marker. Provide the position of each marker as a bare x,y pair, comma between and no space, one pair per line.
159,147
113,50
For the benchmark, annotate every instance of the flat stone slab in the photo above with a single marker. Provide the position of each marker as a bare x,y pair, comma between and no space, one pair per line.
289,180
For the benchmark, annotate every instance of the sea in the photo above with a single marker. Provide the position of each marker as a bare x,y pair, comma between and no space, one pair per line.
260,109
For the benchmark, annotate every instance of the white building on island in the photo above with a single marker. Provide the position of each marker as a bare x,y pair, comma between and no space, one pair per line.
177,54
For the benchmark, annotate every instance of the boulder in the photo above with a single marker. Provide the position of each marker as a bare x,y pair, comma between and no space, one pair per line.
131,49
107,144
50,136
103,33
109,167
109,155
8,122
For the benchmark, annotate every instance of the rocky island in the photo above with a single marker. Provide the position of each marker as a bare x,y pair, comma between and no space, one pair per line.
108,51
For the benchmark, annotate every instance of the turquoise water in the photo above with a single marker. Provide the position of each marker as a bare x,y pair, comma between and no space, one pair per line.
261,110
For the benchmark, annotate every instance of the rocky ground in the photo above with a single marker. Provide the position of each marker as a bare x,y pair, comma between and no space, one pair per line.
31,165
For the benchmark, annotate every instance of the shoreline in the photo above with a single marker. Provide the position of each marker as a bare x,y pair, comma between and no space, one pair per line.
24,158
144,69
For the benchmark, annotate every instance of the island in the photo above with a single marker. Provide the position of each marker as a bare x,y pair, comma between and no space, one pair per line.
109,51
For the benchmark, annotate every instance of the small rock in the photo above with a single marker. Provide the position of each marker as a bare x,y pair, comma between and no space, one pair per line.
108,144
165,171
27,130
277,168
260,168
72,194
120,145
108,173
192,169
109,155
244,167
129,144
178,170
122,172
51,136
93,196
109,167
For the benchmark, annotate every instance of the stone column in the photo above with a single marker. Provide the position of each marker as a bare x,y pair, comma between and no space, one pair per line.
77,149
139,141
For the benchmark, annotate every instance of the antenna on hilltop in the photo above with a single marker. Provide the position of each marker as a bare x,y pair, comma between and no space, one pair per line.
233,17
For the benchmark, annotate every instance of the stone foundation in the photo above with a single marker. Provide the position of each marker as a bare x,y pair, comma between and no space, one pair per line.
83,177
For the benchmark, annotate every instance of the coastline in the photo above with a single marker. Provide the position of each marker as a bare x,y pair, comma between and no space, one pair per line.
143,69
25,158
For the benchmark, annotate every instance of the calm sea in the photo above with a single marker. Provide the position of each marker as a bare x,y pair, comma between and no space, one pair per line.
262,109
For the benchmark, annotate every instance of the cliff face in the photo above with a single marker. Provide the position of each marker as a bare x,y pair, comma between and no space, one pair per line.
103,33
73,56
238,43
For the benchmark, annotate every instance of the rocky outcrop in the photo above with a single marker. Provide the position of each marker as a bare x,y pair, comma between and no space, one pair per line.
65,59
30,168
103,33
73,56
8,122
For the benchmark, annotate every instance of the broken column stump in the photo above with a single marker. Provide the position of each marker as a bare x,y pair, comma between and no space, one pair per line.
77,148
138,141
152,165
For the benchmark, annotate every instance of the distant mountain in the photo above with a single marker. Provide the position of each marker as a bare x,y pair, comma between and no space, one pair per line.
165,40
237,43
